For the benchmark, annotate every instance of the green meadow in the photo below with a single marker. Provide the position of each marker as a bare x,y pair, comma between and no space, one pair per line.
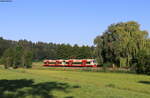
45,83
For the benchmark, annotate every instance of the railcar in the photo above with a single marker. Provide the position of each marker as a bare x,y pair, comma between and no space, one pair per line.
71,63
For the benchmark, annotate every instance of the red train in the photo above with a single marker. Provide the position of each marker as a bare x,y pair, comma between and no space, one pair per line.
71,63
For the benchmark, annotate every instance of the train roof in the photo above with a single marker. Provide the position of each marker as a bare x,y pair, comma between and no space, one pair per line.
74,60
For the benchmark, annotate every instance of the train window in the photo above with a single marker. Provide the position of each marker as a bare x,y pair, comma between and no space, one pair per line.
67,62
94,61
77,62
45,62
88,62
51,63
58,62
63,62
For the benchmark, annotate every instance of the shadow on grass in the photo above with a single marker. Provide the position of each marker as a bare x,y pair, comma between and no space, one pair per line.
23,88
145,82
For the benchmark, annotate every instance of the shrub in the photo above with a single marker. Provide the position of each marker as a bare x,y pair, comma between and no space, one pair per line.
142,62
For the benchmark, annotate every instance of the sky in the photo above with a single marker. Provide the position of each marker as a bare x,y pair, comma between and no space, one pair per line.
68,21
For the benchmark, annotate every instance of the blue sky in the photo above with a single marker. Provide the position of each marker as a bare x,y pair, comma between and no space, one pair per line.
68,21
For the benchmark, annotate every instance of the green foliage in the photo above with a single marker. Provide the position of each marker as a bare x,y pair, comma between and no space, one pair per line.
1,61
121,43
142,62
28,55
8,57
5,44
67,51
123,62
17,57
43,50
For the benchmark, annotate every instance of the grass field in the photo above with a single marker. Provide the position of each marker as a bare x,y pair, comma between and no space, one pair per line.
45,83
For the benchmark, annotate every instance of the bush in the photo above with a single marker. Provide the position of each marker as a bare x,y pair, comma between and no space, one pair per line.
142,62
1,61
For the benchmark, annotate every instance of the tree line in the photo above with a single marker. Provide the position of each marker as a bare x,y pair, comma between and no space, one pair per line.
21,53
125,45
